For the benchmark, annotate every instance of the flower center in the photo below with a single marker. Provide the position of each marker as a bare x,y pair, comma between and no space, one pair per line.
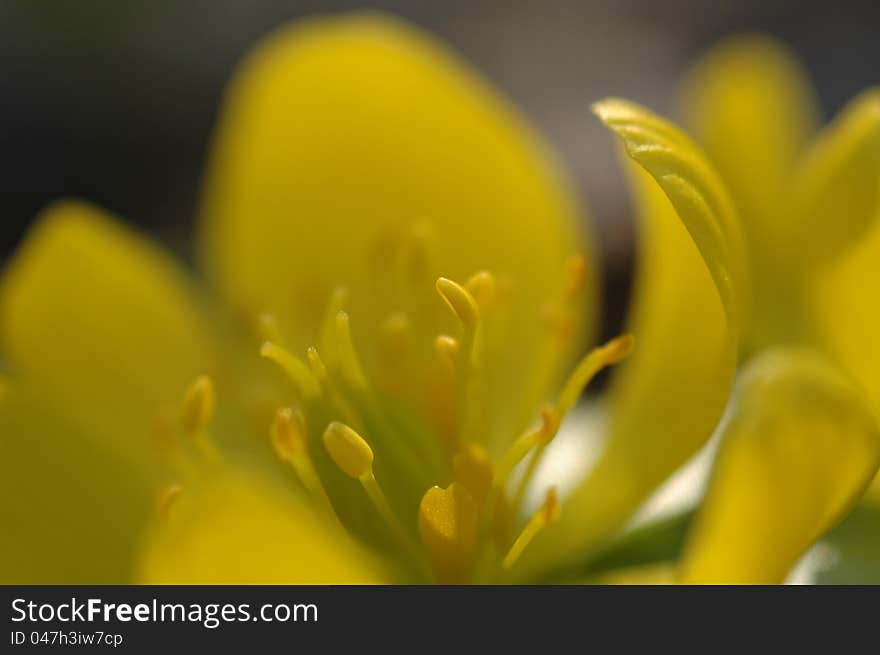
397,451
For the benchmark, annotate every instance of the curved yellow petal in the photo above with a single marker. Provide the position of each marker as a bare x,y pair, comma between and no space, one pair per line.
693,188
71,508
358,151
836,195
100,320
798,452
236,530
670,393
750,104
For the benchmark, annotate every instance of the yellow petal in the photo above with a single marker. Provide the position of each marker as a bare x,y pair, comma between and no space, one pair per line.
751,106
837,187
798,452
71,509
846,314
749,103
100,320
670,393
358,151
238,531
840,186
693,188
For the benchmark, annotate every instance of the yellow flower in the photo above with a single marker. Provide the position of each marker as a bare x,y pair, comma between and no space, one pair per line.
808,206
394,240
809,199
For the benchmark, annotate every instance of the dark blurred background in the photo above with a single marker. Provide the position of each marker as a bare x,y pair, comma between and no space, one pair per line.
114,100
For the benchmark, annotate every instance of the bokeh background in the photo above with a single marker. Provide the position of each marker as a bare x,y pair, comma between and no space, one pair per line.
115,100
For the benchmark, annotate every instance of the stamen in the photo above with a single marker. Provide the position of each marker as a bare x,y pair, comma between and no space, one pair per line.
348,450
483,288
349,365
319,370
287,433
198,406
524,444
460,301
395,336
288,436
268,327
354,457
473,468
448,349
302,378
328,338
597,359
449,527
547,514
167,497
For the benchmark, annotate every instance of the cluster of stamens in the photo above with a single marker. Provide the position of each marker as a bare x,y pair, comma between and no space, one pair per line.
339,427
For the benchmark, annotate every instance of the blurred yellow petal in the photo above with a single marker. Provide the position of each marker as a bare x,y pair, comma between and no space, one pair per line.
749,103
847,314
359,151
669,395
751,106
662,573
70,509
840,186
238,531
837,187
100,320
798,452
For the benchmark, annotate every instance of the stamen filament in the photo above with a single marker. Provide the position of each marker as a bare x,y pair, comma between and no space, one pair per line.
349,365
302,378
547,514
610,353
288,437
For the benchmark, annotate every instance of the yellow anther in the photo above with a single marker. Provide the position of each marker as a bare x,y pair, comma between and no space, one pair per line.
460,301
549,425
576,276
167,496
597,359
449,527
287,434
396,335
349,366
198,406
547,514
483,288
302,378
348,450
354,457
268,327
473,468
448,349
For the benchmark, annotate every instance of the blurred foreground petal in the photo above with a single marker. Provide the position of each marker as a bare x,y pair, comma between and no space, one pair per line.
800,448
238,531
